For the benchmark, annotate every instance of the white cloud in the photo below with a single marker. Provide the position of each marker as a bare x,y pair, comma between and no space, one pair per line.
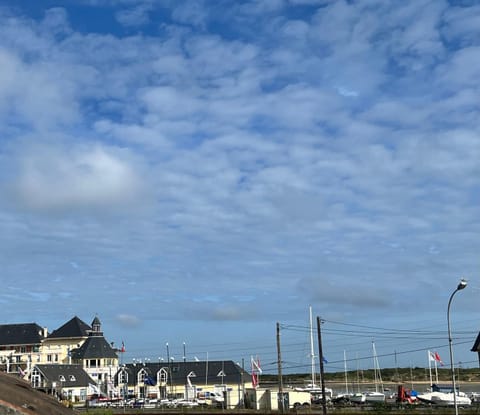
31,94
136,16
128,320
81,178
194,13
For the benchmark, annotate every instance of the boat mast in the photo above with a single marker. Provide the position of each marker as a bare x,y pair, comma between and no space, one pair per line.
376,369
312,355
345,367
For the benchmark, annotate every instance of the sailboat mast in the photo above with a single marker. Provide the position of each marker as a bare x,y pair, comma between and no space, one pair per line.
345,367
375,367
312,355
376,370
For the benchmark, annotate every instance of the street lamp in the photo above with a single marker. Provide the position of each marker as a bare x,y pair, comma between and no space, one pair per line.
461,285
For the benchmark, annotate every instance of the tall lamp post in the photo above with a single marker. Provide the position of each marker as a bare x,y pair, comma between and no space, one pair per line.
461,285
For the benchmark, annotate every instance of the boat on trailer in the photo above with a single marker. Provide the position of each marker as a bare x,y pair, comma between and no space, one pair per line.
443,396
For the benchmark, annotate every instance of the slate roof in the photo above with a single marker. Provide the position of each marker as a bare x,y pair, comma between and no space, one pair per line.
95,347
211,372
20,334
71,329
74,375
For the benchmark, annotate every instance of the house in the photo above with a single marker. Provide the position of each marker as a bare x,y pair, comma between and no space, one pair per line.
270,399
56,348
65,381
98,358
20,346
184,380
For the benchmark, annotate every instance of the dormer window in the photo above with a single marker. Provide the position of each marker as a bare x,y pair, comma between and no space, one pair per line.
72,378
61,378
163,377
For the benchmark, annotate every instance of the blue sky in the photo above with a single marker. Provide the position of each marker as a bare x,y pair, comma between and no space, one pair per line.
196,171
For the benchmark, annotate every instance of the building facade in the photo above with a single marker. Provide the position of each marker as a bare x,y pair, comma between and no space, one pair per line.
98,358
57,346
191,381
20,346
67,382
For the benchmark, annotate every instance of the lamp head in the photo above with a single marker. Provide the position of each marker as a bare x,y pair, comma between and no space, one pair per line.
462,284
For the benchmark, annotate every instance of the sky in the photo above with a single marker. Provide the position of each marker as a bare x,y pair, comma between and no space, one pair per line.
195,172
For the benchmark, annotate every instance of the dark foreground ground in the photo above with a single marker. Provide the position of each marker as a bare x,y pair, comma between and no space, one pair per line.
17,397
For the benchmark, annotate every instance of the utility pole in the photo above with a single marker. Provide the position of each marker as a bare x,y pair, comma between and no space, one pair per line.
280,378
242,380
322,373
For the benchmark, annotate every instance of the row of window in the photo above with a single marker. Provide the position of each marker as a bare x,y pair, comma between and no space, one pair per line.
162,376
22,349
61,378
37,377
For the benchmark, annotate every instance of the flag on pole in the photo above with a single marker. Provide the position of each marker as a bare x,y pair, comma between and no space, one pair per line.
149,381
431,356
122,350
256,371
256,365
437,358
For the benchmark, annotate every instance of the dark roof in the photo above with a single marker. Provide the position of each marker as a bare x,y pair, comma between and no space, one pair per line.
211,372
72,328
20,334
73,375
95,347
476,345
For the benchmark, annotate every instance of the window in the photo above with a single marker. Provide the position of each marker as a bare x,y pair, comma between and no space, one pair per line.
162,375
61,378
36,378
72,378
123,377
141,376
49,358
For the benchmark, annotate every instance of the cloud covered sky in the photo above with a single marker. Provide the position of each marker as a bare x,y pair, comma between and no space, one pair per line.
196,171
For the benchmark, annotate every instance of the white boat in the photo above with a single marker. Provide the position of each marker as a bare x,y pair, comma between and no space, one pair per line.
374,396
357,397
316,391
443,396
348,396
377,395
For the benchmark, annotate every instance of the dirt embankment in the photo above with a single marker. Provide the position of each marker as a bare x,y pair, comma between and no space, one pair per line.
17,397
